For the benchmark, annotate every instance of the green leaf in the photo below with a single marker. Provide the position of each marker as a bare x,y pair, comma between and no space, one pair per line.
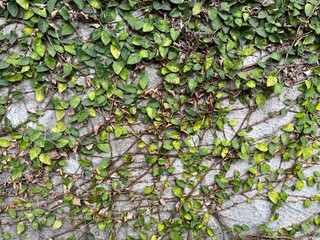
147,27
276,56
15,77
82,115
4,65
160,227
105,37
117,67
251,84
57,224
309,39
115,52
271,80
225,6
306,227
173,66
118,130
273,196
67,29
4,143
197,8
21,227
6,235
307,203
144,79
192,84
41,12
299,185
307,152
308,9
40,49
151,112
40,95
23,3
253,170
59,127
263,147
288,128
34,152
64,12
50,62
143,235
221,181
70,49
261,100
51,4
104,147
45,158
174,34
13,8
177,191
172,78
134,58
147,190
75,101
162,25
67,69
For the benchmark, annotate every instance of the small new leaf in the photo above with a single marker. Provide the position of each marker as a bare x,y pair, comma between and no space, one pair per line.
115,52
4,143
57,224
273,196
45,158
177,191
21,227
263,147
271,80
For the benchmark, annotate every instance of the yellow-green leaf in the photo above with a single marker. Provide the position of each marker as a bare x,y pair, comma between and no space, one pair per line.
21,227
40,95
307,152
151,112
134,58
288,128
40,49
57,224
23,3
118,130
160,227
148,190
115,52
105,37
103,147
59,127
34,152
172,78
273,196
261,100
4,143
197,8
177,191
45,158
263,147
41,12
271,80
308,9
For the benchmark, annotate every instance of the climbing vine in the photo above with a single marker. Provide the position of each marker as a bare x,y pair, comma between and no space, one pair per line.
142,119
